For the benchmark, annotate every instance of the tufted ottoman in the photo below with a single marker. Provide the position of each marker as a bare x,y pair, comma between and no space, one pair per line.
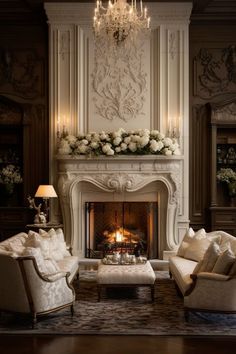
125,276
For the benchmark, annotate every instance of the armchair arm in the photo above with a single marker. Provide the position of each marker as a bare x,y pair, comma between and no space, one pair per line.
55,276
210,276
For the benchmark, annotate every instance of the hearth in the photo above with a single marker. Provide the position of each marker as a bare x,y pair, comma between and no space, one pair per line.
121,226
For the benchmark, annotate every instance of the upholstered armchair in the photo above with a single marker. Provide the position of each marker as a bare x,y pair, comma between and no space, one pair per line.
24,289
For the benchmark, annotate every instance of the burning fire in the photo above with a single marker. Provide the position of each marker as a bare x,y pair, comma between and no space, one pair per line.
118,236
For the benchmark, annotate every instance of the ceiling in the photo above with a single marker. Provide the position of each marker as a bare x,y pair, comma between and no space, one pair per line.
23,10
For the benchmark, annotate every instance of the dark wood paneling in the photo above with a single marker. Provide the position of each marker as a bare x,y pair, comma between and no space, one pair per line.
208,70
24,80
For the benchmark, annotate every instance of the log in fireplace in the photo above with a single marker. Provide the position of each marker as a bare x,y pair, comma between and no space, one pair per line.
121,226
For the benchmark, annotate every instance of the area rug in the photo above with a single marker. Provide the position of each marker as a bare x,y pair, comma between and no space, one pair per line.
124,312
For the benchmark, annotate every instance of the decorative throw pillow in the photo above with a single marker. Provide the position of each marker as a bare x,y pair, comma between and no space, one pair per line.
185,242
197,249
224,262
36,241
36,253
61,243
16,248
48,266
55,246
210,257
201,233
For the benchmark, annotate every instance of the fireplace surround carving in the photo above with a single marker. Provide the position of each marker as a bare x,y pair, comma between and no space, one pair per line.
123,178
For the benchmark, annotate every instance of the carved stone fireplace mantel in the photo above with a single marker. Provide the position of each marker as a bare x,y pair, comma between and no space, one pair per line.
123,178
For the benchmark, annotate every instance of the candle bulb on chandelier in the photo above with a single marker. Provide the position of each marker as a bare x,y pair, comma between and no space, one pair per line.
58,126
141,7
148,23
145,12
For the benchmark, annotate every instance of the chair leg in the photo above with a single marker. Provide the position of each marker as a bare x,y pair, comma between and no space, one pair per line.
34,320
152,292
99,288
72,311
186,315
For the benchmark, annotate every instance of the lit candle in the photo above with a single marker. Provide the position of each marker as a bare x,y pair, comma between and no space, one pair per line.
141,7
97,4
145,12
58,126
148,23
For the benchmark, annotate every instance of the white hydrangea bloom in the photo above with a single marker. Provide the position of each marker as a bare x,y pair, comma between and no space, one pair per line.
64,147
110,152
167,141
105,148
144,140
94,145
156,145
160,136
123,146
118,149
117,140
71,139
82,149
89,137
132,146
135,138
153,145
84,142
127,139
154,133
167,152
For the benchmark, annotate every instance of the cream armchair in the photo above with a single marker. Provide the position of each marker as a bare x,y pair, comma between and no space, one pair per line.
24,289
211,292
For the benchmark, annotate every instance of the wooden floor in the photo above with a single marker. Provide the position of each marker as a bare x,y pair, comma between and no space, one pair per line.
57,344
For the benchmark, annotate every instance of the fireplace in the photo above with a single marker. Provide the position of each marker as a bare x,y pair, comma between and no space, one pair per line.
121,226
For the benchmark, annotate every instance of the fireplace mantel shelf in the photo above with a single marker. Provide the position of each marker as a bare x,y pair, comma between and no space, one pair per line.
119,157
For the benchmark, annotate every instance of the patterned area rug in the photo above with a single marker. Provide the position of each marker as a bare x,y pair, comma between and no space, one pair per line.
124,312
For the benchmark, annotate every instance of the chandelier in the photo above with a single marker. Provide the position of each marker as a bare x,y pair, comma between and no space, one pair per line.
119,20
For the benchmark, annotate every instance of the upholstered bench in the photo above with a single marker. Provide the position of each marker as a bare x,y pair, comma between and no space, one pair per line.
135,275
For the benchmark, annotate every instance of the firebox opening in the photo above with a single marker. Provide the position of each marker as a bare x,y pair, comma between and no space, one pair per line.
121,226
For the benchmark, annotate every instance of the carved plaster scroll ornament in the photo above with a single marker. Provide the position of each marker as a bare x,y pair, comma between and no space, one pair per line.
119,82
227,113
172,45
215,71
64,44
175,196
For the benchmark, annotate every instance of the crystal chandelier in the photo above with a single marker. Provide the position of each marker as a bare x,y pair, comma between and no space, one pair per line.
119,20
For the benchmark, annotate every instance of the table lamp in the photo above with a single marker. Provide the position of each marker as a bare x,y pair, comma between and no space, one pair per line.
46,192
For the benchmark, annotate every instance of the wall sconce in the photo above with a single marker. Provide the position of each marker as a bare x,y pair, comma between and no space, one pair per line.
174,127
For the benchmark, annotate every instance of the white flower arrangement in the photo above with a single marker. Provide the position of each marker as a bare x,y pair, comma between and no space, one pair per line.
138,142
10,175
226,175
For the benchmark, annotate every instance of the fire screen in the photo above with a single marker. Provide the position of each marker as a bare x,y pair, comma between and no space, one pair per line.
121,226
